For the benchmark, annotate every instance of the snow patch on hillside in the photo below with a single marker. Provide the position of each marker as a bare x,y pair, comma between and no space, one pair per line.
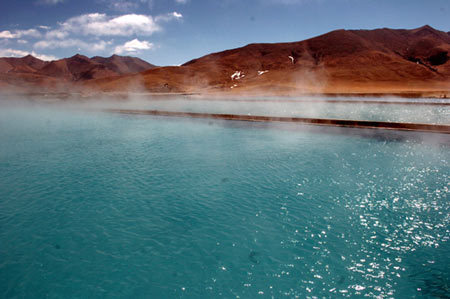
237,75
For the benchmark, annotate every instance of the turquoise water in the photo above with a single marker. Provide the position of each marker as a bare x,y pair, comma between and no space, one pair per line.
105,205
436,114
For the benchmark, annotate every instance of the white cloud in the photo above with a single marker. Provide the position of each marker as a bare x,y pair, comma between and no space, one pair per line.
12,53
133,46
21,53
29,32
181,1
75,43
177,15
169,17
44,57
60,34
6,34
87,33
20,33
100,25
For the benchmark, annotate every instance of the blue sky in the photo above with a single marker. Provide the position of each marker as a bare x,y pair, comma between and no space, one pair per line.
171,32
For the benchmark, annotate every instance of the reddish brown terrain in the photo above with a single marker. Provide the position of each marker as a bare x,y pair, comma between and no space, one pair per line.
30,73
408,62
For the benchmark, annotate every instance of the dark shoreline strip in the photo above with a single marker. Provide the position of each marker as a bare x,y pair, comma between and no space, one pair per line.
362,124
315,101
353,102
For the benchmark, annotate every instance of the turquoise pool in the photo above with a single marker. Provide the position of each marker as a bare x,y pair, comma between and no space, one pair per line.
104,205
374,109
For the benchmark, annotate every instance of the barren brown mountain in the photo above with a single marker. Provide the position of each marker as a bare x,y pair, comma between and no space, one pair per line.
33,73
342,61
124,64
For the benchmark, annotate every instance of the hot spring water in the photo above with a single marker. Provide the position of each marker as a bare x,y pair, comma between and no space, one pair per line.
98,205
372,109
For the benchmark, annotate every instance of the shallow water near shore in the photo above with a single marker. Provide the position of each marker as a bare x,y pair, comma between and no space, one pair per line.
104,205
431,111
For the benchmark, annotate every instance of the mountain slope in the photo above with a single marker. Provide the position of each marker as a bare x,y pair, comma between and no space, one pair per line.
76,68
31,72
124,64
340,61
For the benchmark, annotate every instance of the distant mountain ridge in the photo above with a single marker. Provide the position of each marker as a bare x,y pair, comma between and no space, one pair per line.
341,61
75,68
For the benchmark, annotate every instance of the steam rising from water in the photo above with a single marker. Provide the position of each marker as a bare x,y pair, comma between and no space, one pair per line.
312,107
101,204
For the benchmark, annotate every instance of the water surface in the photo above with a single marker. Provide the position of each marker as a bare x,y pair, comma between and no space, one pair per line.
374,109
104,205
